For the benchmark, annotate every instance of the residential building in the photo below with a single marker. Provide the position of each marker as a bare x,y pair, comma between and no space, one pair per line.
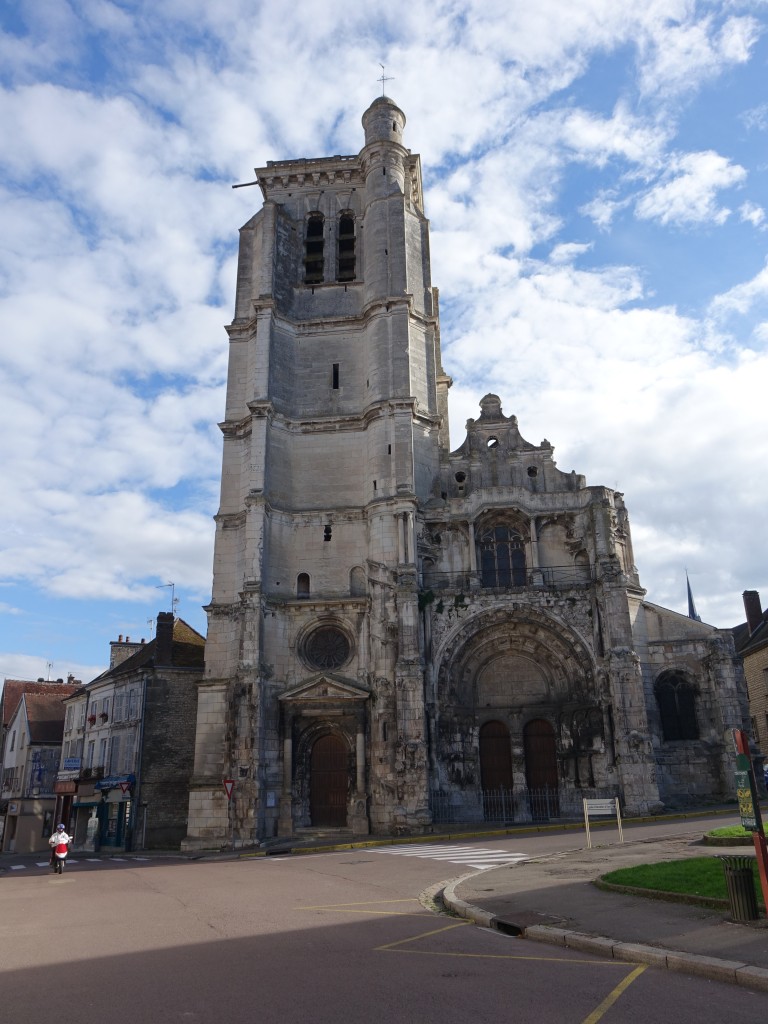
11,697
752,647
29,770
401,634
129,743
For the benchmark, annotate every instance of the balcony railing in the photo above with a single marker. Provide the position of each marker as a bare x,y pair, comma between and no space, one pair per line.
553,577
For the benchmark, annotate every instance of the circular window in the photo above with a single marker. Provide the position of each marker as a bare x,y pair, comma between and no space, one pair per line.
492,442
326,647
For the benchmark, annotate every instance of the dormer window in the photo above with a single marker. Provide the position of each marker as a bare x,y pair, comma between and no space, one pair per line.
346,248
313,249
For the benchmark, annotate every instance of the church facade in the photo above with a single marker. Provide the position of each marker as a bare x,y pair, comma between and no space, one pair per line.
401,635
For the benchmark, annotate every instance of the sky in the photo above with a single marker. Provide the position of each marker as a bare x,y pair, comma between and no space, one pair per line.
596,180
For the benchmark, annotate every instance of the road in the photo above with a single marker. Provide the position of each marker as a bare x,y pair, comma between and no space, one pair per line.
327,937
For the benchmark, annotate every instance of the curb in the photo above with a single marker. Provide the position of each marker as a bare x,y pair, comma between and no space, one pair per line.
457,834
732,971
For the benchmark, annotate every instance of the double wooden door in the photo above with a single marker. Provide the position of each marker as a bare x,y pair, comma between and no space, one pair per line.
328,782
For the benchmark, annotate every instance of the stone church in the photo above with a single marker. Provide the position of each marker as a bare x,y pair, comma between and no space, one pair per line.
402,635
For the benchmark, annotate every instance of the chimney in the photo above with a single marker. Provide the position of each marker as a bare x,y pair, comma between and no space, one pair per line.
164,639
121,649
753,608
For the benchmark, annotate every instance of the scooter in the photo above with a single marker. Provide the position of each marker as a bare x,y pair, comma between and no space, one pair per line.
60,851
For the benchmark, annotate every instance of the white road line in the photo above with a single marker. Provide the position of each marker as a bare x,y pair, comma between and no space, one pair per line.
470,856
43,864
18,867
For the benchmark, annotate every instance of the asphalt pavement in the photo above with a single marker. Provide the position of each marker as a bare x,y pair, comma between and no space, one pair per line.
553,899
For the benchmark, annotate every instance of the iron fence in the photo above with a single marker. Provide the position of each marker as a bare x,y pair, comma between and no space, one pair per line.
504,806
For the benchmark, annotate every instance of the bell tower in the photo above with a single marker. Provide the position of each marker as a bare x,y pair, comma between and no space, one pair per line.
336,417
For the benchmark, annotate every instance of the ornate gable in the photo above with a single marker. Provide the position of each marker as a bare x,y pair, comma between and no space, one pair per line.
325,687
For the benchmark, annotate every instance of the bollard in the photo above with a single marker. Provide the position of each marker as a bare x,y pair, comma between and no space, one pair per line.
741,887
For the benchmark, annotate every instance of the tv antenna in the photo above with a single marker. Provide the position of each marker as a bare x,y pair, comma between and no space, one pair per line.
174,599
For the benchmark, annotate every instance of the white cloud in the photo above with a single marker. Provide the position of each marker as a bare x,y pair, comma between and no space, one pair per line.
688,191
752,213
741,298
31,667
756,118
682,51
130,122
567,252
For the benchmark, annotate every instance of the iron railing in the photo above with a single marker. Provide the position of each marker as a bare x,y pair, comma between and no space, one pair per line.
554,577
504,806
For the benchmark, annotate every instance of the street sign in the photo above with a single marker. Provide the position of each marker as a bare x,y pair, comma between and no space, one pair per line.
601,808
745,793
229,785
125,786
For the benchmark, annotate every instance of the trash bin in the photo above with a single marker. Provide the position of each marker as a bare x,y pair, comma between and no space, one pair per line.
741,887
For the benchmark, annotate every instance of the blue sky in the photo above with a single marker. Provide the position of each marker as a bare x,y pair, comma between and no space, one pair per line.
596,177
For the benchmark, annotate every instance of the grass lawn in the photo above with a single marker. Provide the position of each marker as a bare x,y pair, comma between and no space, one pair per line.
733,832
697,876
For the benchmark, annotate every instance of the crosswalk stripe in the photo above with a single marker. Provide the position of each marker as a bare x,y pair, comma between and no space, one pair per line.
18,867
469,856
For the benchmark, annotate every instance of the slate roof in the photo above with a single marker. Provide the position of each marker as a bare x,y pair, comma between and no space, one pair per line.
188,651
747,642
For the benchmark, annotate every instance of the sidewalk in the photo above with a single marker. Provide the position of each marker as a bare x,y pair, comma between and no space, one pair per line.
551,899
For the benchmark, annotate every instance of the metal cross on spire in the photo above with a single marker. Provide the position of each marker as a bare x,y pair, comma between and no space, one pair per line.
383,78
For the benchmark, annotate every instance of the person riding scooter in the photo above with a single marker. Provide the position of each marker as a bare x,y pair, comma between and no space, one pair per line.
58,839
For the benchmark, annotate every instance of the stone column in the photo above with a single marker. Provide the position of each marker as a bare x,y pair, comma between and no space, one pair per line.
285,820
358,809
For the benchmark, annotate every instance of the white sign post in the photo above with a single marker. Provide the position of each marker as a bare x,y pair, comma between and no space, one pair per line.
604,809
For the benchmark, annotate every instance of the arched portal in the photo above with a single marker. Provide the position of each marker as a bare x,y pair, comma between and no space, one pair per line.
328,782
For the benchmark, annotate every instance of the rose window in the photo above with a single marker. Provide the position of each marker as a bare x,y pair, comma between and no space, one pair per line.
327,647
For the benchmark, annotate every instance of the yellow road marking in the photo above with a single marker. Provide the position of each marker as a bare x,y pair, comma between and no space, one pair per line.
391,947
611,998
500,956
424,935
371,913
368,903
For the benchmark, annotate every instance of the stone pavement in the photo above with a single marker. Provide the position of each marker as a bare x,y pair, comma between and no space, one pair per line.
551,899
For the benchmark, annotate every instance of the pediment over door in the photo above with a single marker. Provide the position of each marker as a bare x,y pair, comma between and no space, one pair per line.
325,688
